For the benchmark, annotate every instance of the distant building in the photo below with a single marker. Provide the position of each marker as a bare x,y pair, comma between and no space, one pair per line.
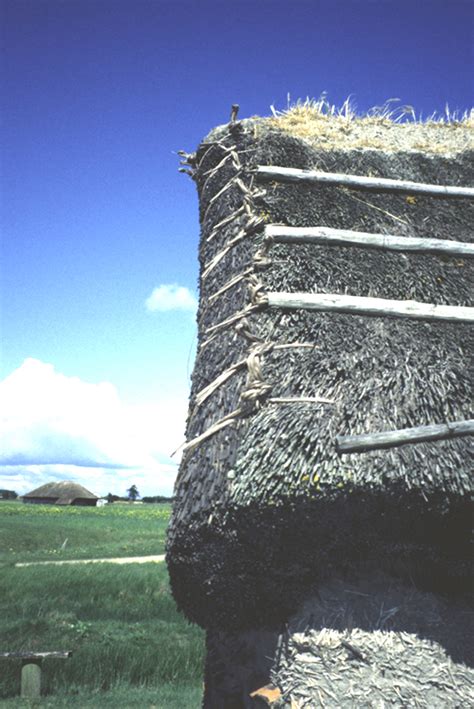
61,493
8,495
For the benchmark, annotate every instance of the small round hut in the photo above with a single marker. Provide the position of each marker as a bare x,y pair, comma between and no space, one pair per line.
321,524
64,492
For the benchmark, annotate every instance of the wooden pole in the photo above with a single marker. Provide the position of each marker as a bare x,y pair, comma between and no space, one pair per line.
392,439
234,111
344,237
32,656
299,400
291,174
355,305
31,679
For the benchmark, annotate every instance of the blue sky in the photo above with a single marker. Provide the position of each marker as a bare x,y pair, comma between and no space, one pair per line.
98,97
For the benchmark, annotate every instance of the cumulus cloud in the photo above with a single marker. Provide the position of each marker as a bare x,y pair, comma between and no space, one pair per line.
58,427
168,297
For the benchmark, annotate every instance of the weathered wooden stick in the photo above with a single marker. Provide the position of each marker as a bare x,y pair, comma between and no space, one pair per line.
25,655
234,112
300,400
213,170
230,284
218,194
206,392
221,191
355,305
223,222
291,174
345,237
219,256
391,439
248,310
228,420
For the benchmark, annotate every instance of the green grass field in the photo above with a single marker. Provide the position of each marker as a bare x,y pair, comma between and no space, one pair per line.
131,648
91,532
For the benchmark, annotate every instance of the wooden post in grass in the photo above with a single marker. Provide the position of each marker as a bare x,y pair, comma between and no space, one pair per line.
31,669
31,679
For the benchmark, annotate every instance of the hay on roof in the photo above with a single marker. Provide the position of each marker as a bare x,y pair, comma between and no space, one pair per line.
64,492
392,128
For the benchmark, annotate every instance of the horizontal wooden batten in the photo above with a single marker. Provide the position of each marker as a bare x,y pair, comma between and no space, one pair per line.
345,237
291,174
404,436
355,305
26,655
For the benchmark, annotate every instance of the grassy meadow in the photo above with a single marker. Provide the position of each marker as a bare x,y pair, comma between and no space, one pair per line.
131,648
48,532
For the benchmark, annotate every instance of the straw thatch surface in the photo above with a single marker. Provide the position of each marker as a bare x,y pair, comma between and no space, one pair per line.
324,669
266,507
366,641
342,578
64,490
374,640
390,128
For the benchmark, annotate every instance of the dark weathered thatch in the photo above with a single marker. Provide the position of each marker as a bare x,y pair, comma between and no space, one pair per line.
61,493
266,508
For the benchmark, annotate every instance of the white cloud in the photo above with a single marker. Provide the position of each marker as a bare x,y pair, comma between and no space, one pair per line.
58,427
168,297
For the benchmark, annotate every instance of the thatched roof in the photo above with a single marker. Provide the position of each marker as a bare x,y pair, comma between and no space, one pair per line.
66,491
265,505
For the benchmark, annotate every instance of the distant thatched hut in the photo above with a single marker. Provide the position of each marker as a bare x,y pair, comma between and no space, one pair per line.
61,493
341,577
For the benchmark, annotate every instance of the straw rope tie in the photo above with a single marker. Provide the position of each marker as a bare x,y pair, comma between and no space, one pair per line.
256,389
255,289
243,328
261,258
252,224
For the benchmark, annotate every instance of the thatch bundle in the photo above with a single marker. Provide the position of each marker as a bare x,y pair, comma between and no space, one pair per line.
266,508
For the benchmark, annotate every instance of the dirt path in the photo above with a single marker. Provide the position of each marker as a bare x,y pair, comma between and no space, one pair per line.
118,560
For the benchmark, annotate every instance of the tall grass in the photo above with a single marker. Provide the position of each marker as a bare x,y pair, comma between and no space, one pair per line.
123,696
131,647
119,621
